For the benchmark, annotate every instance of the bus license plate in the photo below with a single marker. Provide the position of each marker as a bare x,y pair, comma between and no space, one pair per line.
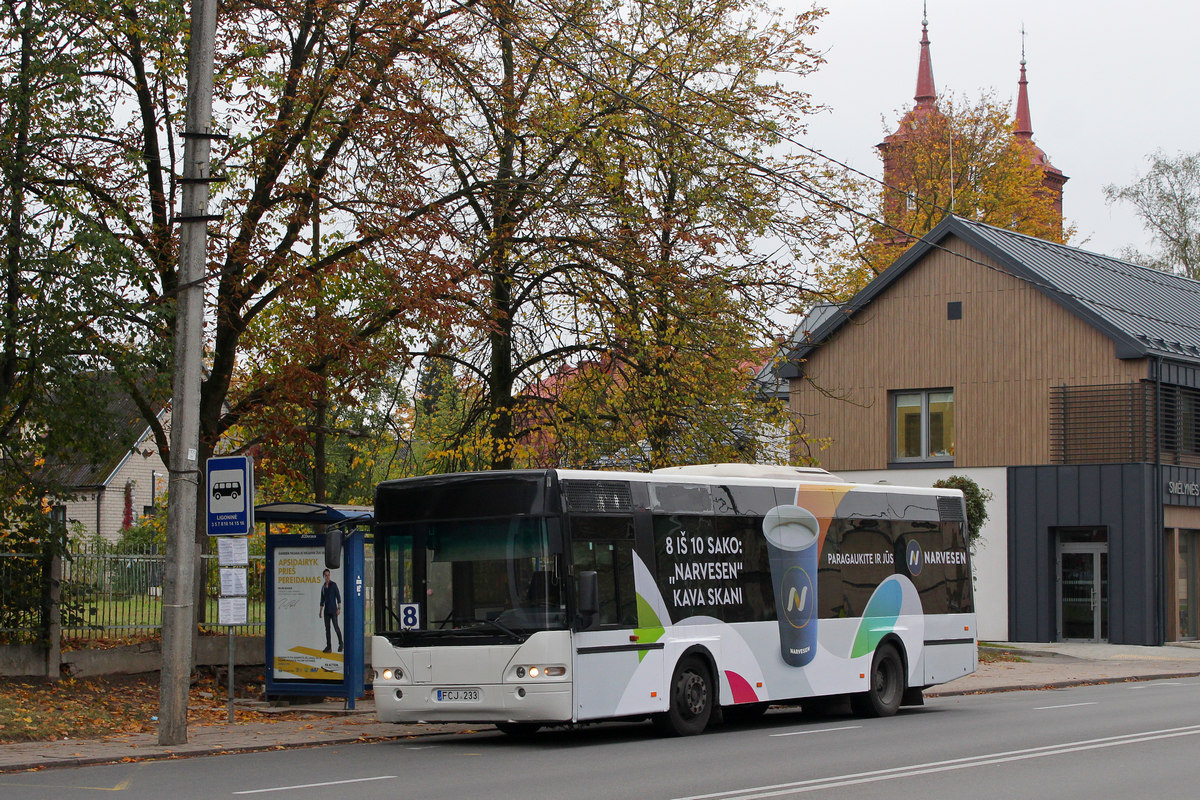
458,695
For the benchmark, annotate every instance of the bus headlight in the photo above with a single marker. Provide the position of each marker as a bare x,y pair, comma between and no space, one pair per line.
392,674
540,671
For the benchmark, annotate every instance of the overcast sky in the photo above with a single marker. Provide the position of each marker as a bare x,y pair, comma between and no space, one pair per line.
1109,83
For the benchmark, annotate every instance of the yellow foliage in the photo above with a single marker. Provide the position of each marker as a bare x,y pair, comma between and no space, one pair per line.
958,158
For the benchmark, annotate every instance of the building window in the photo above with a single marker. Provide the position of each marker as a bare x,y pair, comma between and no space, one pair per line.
923,425
1179,429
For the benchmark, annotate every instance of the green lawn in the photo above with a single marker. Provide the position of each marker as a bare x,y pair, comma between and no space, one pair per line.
100,617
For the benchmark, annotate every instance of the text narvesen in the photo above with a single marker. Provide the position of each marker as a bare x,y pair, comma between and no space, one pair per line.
717,577
286,568
935,557
685,544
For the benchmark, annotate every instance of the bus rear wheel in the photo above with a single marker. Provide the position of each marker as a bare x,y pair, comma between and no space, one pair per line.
886,687
691,700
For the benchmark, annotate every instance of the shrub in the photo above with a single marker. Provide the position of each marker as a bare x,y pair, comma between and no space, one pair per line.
977,499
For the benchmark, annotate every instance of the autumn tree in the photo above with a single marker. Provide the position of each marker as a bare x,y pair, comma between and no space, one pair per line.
47,298
954,158
394,173
690,190
1167,198
514,112
622,159
324,122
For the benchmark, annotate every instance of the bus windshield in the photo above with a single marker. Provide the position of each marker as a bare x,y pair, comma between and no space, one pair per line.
484,576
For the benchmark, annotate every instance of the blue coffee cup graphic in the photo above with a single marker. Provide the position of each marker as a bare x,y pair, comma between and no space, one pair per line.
793,535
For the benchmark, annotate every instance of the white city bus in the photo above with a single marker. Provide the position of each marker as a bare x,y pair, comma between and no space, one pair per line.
539,597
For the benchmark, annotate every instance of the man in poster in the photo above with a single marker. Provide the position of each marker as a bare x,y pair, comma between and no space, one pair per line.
331,607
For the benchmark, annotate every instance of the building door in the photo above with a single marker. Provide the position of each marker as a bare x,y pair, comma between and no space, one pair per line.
1083,585
1186,589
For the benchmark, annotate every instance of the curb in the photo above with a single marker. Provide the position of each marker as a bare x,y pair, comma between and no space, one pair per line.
195,751
1032,652
1066,684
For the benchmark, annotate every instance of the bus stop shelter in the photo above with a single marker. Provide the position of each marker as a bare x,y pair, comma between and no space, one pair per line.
312,649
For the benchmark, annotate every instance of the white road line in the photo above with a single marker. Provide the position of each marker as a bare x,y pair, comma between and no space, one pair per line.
987,759
822,730
1065,705
1157,684
315,785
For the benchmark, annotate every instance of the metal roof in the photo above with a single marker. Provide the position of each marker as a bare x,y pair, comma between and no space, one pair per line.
771,380
313,513
1146,312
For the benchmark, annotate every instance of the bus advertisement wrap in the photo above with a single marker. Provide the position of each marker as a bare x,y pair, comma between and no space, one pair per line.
711,591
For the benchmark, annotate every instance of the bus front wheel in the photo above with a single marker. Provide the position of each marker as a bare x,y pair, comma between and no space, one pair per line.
691,699
886,686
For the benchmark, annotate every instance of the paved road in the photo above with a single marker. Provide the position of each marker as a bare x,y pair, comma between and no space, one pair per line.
1093,741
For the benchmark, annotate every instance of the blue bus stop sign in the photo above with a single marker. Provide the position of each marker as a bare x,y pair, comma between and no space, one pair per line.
230,496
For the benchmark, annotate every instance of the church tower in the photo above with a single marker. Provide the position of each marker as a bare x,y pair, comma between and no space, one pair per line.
1052,177
897,205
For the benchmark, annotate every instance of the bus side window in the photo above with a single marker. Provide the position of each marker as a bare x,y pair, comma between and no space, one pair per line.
605,545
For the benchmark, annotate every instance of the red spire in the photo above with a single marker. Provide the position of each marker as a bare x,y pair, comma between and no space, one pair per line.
1024,126
926,94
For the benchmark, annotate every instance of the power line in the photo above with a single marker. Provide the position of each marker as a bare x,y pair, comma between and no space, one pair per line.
768,170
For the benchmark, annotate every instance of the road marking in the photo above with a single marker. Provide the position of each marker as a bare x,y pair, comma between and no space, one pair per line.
120,787
912,770
1065,705
1157,684
123,786
315,785
822,730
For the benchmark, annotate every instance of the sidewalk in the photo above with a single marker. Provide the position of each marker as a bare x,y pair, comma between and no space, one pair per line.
1045,666
1059,664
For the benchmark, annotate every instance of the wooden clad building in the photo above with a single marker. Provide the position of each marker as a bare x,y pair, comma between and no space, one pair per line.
1078,374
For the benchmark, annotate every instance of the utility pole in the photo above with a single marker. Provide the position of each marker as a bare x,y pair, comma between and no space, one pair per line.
179,610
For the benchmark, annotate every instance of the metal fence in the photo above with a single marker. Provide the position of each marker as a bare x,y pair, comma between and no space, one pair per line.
111,592
23,579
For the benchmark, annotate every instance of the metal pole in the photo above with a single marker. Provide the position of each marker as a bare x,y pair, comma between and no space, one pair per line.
231,674
179,612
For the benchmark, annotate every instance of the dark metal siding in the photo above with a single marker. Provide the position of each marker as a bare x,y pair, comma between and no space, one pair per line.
1119,497
1181,374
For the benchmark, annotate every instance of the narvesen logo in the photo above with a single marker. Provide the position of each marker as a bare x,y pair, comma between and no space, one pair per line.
797,600
914,557
797,589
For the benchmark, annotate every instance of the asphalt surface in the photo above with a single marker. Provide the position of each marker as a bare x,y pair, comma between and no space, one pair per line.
1044,666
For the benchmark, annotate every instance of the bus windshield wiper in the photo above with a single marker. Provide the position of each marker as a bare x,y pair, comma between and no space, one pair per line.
501,626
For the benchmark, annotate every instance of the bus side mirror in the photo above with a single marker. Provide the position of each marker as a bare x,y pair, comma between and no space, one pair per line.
588,597
333,548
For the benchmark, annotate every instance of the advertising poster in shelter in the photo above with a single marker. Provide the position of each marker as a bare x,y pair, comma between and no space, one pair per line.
309,616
